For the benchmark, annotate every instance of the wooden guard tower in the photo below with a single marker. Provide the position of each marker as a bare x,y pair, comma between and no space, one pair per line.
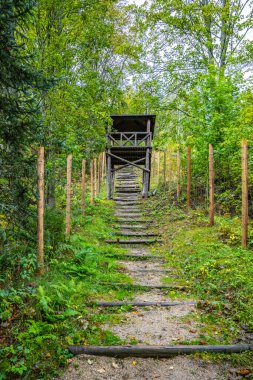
129,144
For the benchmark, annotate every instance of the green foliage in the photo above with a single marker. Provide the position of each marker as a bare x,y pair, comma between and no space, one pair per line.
40,318
19,119
212,261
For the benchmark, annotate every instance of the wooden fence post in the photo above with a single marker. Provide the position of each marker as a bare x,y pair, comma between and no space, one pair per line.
68,196
83,185
244,193
158,166
211,186
100,159
91,182
95,178
40,211
153,163
164,168
178,174
188,177
104,166
170,170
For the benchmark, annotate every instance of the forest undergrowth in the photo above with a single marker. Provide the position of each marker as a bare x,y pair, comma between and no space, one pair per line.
40,316
217,270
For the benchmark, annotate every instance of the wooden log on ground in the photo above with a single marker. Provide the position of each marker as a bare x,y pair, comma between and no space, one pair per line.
146,270
127,226
130,220
136,256
141,286
133,241
143,351
141,304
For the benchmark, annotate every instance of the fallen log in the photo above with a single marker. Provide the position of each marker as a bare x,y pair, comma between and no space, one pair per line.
157,351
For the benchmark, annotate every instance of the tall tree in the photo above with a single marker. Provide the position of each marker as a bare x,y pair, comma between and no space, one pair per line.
19,121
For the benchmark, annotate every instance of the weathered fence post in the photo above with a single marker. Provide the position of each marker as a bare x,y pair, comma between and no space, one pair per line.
158,166
164,168
104,165
68,195
153,164
40,211
100,169
170,170
244,193
178,174
188,204
91,182
95,178
83,185
211,186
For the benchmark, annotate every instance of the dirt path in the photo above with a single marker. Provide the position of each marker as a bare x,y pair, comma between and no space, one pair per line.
153,325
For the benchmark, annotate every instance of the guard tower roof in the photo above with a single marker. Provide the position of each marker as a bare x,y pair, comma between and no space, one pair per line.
132,123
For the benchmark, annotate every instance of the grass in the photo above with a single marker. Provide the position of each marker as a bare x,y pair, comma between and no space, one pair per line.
40,317
211,261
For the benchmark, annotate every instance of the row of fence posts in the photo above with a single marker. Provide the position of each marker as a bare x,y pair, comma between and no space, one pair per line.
97,175
244,163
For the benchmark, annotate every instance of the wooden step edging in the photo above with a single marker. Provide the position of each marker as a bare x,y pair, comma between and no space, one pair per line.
141,303
146,351
133,241
125,220
125,234
142,241
134,256
140,286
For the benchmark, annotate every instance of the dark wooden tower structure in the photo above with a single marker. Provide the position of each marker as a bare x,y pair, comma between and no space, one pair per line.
130,144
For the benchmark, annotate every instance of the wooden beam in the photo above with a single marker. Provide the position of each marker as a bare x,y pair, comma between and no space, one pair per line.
164,168
40,210
91,182
141,286
178,174
140,303
211,186
83,185
68,196
157,351
109,176
133,241
188,204
125,166
245,216
126,161
95,178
